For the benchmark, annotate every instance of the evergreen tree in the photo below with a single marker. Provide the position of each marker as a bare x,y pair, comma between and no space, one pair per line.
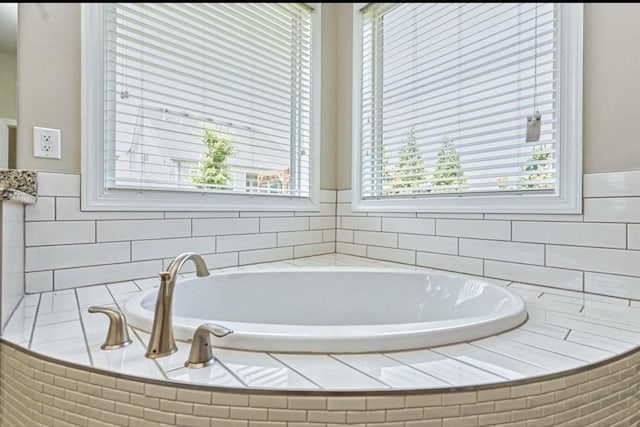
448,176
538,172
402,176
213,168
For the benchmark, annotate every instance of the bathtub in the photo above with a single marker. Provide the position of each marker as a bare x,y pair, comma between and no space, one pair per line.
336,310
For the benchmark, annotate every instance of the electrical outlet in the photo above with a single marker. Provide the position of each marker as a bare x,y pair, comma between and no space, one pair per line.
46,143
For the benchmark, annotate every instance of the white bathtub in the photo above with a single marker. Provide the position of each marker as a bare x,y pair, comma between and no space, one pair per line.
340,310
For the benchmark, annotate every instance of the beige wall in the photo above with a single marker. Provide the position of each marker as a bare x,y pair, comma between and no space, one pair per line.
49,91
8,104
611,112
49,81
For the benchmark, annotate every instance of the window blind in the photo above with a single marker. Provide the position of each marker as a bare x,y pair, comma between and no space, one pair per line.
208,97
446,92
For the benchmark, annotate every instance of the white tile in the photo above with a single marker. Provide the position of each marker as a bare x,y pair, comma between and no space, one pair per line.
450,263
344,196
265,255
122,288
346,209
396,215
530,354
94,295
526,294
128,360
57,332
550,302
59,233
496,363
389,371
324,209
344,236
571,233
555,277
633,238
84,276
572,294
594,326
66,256
57,317
444,245
43,210
526,253
265,214
359,223
635,303
329,235
291,238
223,226
612,184
58,184
535,217
40,281
213,261
576,351
68,208
622,317
375,238
57,301
311,250
409,225
495,230
351,249
165,248
328,196
110,231
444,368
213,375
322,222
19,327
395,255
546,329
451,215
598,341
626,209
258,369
243,242
608,284
268,225
151,282
328,372
30,301
69,350
202,214
613,261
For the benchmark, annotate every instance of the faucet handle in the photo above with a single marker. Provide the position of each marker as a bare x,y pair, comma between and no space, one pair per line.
117,336
201,354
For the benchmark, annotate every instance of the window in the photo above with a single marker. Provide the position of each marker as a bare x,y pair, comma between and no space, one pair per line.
444,94
182,100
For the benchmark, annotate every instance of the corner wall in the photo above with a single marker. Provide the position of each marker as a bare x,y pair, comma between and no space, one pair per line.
11,258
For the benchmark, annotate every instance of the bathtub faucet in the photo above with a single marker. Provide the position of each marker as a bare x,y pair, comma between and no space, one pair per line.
162,342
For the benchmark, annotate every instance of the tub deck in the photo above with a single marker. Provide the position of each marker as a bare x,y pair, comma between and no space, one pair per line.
566,331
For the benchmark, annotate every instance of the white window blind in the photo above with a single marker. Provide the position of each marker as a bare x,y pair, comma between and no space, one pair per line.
201,95
446,92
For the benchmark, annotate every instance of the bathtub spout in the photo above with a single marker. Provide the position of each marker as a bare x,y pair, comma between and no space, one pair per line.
162,343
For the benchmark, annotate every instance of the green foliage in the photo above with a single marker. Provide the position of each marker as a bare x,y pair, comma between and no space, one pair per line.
213,168
448,176
402,176
534,172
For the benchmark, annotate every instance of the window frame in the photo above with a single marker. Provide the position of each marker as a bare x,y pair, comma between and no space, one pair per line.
567,199
95,196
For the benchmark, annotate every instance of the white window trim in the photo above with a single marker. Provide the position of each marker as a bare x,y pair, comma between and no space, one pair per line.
95,197
568,196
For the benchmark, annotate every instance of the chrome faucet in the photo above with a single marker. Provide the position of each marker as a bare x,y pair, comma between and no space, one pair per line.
162,343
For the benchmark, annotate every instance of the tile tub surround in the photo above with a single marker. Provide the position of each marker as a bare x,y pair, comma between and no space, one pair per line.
67,248
11,257
597,252
19,179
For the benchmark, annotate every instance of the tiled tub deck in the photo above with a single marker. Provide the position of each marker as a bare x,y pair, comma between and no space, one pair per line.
573,362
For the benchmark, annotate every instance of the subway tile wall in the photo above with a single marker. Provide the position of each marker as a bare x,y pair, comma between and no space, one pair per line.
67,248
596,252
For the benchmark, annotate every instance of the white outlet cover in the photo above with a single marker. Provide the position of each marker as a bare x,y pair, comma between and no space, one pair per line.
46,143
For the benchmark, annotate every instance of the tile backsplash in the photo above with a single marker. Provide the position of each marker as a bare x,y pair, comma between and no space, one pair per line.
597,252
67,248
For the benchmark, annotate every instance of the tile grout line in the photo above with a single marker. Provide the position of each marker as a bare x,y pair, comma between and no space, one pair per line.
35,320
84,332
